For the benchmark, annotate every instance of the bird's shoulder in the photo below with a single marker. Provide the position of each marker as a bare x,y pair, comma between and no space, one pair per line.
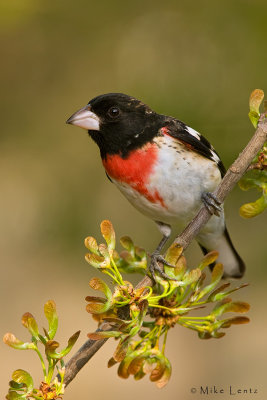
192,139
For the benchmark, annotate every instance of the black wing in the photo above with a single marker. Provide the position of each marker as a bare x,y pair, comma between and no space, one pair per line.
195,141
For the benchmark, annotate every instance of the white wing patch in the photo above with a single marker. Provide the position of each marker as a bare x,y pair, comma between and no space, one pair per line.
214,156
197,135
193,132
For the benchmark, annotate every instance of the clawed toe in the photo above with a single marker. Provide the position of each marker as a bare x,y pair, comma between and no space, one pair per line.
154,267
212,203
160,258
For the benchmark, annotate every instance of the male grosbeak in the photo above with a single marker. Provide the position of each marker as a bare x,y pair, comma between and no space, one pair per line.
163,167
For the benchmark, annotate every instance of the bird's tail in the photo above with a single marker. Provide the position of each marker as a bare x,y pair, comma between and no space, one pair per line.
234,266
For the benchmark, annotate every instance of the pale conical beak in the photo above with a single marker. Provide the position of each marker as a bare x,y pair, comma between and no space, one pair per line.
85,118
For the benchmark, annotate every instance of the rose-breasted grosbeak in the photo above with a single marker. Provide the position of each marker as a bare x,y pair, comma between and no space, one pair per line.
163,167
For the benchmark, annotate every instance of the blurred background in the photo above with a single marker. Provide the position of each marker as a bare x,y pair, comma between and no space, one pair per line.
197,61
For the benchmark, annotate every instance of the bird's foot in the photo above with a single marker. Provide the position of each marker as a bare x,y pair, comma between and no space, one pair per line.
154,267
211,203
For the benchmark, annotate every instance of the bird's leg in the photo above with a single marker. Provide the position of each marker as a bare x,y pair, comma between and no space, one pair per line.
211,203
156,257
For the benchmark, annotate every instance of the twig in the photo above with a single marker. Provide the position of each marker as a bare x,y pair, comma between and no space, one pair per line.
83,355
232,176
256,166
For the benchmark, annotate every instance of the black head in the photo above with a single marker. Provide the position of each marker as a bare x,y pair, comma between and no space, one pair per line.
118,123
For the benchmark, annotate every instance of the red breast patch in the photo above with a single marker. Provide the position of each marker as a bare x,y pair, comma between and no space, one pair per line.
135,170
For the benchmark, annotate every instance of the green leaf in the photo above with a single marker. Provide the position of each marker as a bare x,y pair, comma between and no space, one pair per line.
127,243
204,335
91,245
174,256
12,341
95,299
255,101
180,268
209,259
216,276
254,118
123,370
256,178
15,396
217,335
96,261
97,308
111,362
250,210
191,277
140,374
52,318
234,321
140,252
173,253
248,183
121,350
218,295
127,256
159,369
21,376
197,286
98,284
16,386
30,323
166,375
229,306
108,234
51,346
134,330
71,342
104,251
117,321
136,364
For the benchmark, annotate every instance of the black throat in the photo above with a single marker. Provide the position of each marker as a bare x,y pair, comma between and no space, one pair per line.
125,136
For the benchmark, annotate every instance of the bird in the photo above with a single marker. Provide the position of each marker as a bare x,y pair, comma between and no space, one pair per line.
164,168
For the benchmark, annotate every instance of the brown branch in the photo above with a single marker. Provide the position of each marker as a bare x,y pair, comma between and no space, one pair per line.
232,176
83,355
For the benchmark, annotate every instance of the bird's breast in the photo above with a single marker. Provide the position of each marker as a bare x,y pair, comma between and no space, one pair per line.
164,179
135,170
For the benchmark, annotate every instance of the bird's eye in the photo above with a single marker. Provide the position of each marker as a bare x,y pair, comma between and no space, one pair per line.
113,112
